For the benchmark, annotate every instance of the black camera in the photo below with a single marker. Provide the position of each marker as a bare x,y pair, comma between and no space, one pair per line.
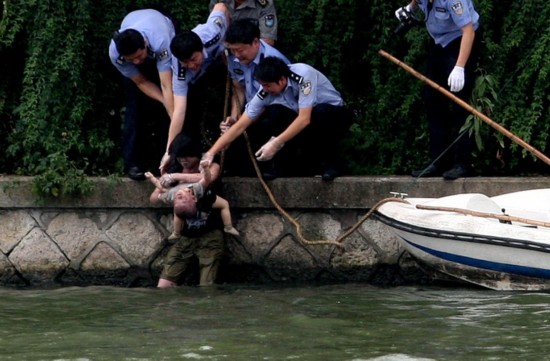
406,21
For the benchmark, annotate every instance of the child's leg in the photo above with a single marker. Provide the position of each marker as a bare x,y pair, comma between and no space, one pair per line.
225,213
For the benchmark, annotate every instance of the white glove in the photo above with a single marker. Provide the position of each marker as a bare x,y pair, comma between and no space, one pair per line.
456,79
167,181
403,12
206,160
269,149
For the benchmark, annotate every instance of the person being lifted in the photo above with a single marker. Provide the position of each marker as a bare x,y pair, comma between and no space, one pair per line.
197,61
312,116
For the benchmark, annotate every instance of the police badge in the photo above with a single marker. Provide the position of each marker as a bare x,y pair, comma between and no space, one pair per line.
305,87
269,20
457,8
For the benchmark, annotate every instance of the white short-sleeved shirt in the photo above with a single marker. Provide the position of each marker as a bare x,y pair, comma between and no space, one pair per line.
244,73
212,35
158,31
447,17
307,87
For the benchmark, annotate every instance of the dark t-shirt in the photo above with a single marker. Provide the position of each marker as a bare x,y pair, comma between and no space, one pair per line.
206,218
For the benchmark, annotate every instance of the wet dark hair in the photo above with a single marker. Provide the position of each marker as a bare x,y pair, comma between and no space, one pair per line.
271,69
184,145
242,31
128,42
183,45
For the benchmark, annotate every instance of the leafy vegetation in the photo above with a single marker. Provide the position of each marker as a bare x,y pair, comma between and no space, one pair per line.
61,100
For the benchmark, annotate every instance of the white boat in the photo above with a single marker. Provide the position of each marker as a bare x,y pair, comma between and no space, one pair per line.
500,242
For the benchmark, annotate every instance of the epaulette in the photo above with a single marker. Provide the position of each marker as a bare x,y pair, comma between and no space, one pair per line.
120,60
297,78
263,3
213,41
262,94
163,54
181,72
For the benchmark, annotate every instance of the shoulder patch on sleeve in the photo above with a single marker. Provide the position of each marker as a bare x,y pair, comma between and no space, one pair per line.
213,41
457,7
305,87
269,20
219,22
163,54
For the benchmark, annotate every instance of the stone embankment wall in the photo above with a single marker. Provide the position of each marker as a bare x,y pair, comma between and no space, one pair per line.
115,237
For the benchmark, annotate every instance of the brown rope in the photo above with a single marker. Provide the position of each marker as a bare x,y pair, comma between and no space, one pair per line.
285,214
502,217
296,224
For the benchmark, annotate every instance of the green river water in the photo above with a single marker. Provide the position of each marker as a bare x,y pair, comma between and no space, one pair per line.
244,322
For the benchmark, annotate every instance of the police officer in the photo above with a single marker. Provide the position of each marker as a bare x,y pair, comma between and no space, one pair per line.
263,11
196,53
311,115
142,43
246,49
451,60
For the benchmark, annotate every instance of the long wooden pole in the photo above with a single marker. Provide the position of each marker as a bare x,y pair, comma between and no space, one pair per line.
468,107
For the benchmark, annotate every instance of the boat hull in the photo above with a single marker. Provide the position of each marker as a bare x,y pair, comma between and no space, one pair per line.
483,252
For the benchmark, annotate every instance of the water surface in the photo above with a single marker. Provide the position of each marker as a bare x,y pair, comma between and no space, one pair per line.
242,322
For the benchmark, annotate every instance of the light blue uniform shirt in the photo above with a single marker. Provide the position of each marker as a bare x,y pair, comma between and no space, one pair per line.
244,73
447,17
157,30
212,35
307,87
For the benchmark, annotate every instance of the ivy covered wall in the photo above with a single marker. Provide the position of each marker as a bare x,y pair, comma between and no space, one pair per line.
61,99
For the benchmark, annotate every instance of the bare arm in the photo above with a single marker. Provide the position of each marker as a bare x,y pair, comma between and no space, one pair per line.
223,7
148,87
167,94
196,177
178,118
300,123
228,137
237,100
468,35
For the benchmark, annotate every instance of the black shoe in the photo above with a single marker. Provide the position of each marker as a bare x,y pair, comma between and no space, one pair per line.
136,174
271,170
458,171
329,173
270,175
430,171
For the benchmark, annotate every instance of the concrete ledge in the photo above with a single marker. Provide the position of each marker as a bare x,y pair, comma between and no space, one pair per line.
357,192
115,237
